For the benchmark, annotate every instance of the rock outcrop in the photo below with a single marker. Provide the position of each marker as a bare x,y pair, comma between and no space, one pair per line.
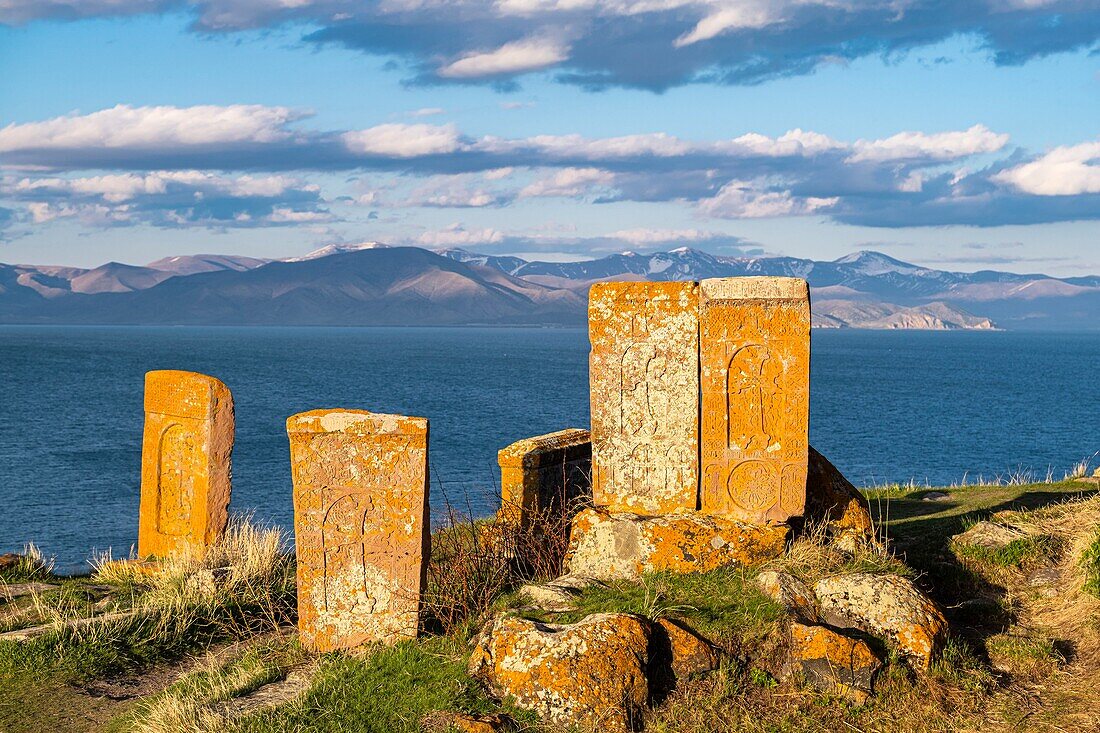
789,592
592,674
624,546
832,500
888,606
832,662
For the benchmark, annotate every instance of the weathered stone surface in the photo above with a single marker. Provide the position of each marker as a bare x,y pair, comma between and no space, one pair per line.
614,545
990,535
832,662
546,476
644,377
677,653
360,525
590,674
755,374
789,592
185,463
888,606
558,595
831,499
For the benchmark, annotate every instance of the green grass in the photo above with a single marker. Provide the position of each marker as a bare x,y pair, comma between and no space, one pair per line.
718,602
1090,563
389,690
1019,554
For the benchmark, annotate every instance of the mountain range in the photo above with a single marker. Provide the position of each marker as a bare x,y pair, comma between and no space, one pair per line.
374,284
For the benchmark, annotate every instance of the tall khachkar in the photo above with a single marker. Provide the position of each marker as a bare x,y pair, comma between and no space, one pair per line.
644,379
360,524
185,463
700,396
755,379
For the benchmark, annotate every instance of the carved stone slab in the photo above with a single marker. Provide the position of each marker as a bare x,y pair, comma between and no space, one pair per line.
755,376
360,525
545,475
185,462
644,378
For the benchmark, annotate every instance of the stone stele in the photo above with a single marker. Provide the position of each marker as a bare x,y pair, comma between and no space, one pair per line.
185,463
360,525
545,476
644,377
754,376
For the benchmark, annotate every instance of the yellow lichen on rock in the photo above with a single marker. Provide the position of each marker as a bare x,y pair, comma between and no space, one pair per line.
545,476
644,379
833,662
591,674
186,451
360,525
617,545
755,373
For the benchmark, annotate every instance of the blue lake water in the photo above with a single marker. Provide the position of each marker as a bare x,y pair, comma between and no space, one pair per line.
885,407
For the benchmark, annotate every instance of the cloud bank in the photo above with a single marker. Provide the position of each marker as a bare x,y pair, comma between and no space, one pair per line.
248,165
649,44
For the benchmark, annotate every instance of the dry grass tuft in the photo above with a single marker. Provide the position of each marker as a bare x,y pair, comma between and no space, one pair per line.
813,555
474,562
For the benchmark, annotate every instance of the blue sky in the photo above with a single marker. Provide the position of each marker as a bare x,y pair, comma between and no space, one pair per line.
958,135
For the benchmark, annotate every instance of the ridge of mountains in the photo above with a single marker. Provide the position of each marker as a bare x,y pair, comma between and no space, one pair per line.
375,284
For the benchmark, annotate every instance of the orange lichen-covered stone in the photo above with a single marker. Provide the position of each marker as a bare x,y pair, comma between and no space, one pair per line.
591,674
832,500
610,546
887,606
186,451
360,525
644,379
545,476
755,374
833,662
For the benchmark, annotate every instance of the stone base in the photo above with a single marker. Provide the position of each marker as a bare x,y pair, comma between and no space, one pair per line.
624,546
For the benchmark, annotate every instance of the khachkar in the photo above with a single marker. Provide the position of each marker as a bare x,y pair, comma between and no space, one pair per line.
644,379
755,373
361,525
545,476
185,463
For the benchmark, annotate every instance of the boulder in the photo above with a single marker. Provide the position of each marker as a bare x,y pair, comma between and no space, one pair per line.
558,595
887,606
677,653
832,662
832,500
789,592
624,546
592,674
990,535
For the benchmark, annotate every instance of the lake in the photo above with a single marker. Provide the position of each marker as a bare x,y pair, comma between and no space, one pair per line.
934,407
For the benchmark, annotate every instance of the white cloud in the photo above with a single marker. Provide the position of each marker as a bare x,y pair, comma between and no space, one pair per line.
115,188
937,146
662,236
124,126
456,235
568,182
1065,171
738,15
528,54
743,200
427,112
403,141
284,215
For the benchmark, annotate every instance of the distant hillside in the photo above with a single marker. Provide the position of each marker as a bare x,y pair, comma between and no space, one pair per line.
370,283
861,290
392,286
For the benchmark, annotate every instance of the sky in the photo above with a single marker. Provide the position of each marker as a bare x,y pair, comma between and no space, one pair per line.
954,134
